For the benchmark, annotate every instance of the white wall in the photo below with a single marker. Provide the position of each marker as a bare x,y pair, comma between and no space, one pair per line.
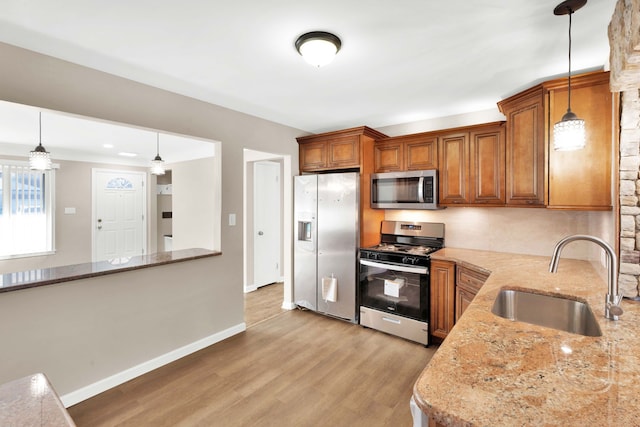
91,333
196,205
30,78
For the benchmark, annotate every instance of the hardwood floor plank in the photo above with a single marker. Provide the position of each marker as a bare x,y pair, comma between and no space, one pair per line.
295,368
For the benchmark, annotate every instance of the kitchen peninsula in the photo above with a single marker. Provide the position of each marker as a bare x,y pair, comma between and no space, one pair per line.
492,371
49,276
92,327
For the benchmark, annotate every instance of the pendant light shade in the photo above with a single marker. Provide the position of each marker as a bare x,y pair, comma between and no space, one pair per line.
39,158
157,164
318,48
569,132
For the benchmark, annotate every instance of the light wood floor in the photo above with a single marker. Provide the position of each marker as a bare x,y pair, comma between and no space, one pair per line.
263,304
294,368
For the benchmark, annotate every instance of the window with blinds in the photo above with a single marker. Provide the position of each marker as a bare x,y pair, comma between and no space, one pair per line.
26,210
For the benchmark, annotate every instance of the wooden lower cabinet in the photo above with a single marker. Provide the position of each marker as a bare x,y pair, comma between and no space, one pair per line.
442,298
452,290
468,283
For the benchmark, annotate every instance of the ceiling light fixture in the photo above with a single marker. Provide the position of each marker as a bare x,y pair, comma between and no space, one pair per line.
569,132
39,158
318,48
157,164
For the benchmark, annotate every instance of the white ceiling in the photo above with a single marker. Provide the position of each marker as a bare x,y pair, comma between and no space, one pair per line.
71,137
401,61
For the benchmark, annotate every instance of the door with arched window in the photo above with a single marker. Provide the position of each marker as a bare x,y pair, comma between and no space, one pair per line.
118,215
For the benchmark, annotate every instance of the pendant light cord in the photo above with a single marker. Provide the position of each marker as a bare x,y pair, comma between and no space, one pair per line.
40,128
569,93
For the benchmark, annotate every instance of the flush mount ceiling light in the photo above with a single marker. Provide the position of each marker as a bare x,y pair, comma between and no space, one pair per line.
569,132
39,158
157,164
318,48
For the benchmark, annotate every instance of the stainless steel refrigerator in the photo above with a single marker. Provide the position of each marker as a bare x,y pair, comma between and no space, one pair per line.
326,238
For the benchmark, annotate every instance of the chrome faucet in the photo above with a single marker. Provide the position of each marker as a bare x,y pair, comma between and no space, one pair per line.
612,307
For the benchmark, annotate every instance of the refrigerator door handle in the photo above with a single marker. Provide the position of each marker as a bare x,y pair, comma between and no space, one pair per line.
395,267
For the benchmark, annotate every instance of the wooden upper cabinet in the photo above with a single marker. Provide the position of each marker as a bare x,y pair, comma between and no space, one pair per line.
388,156
525,148
453,171
471,165
421,154
536,175
313,156
337,153
581,179
486,166
409,152
345,149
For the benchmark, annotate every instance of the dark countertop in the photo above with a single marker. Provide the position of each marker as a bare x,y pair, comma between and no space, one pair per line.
49,276
32,401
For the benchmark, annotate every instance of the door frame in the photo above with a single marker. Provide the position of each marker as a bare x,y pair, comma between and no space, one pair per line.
286,213
94,200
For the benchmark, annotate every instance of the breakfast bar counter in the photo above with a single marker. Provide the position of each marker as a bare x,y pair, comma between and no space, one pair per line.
492,371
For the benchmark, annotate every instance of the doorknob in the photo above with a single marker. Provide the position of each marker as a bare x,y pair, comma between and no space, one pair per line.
260,233
99,224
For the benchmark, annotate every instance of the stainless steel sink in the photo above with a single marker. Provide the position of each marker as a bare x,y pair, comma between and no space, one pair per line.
545,310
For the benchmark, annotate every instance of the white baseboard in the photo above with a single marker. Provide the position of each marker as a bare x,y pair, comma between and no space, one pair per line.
105,384
288,305
250,288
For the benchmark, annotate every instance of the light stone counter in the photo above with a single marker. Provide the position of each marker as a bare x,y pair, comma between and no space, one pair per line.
491,371
31,401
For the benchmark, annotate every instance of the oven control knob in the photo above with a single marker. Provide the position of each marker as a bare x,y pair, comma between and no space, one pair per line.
410,260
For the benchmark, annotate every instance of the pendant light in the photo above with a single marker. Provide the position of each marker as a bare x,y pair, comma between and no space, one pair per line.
569,132
157,164
39,158
318,48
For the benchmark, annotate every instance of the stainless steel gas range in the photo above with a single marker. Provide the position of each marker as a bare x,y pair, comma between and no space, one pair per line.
394,279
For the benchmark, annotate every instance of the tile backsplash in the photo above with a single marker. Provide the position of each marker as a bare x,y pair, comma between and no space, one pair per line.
516,230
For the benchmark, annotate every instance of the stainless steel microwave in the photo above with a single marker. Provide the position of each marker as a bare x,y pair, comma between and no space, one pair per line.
405,190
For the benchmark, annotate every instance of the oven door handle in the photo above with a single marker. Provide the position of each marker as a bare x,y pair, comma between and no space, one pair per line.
395,267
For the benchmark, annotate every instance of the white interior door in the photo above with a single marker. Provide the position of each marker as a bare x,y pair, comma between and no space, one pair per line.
118,215
266,204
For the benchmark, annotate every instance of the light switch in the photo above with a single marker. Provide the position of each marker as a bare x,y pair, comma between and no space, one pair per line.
232,219
69,211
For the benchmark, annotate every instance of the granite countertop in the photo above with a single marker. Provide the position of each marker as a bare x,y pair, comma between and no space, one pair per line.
491,371
31,401
49,276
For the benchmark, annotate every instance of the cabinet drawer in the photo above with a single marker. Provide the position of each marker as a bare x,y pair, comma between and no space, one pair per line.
470,279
